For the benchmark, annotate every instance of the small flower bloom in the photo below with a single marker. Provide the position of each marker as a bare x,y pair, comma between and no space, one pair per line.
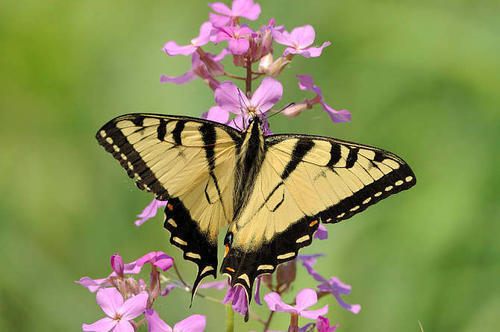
304,299
194,323
171,47
238,297
332,285
149,211
321,233
229,97
299,41
323,325
240,8
206,67
158,259
306,82
237,38
119,313
337,288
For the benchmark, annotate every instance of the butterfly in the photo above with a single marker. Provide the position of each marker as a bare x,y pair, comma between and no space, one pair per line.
272,192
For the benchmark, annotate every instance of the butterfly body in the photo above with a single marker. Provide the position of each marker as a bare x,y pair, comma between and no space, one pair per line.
271,191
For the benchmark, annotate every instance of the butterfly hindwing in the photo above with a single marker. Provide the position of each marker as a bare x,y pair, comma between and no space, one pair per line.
305,180
188,162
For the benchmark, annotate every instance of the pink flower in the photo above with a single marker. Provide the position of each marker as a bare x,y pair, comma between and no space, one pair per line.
206,67
323,325
119,313
299,41
171,47
240,8
237,38
321,233
306,82
149,211
304,299
117,265
231,99
194,323
337,288
332,285
158,259
238,297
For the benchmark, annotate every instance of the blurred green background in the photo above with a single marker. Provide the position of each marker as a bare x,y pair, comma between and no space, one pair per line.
421,79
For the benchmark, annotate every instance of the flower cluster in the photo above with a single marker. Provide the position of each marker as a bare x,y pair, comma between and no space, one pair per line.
252,50
123,298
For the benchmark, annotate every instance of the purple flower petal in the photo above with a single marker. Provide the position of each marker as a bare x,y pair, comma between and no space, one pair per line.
218,20
217,114
246,8
149,211
308,261
117,264
321,233
314,314
231,98
323,325
306,82
275,303
194,323
305,298
283,38
168,289
93,284
110,300
134,306
313,52
104,324
257,292
238,46
337,287
158,259
220,8
184,78
123,326
155,323
336,116
215,284
238,296
267,94
203,38
172,49
303,36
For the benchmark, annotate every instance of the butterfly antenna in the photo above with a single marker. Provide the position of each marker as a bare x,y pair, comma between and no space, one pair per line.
242,101
281,110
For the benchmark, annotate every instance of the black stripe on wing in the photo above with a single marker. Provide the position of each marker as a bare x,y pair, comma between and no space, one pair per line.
113,140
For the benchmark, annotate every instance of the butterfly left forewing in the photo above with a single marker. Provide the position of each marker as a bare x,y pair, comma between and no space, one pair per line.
188,162
305,180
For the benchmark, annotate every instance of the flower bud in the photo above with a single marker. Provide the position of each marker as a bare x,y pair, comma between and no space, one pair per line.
285,275
294,110
265,62
267,279
277,66
155,286
117,264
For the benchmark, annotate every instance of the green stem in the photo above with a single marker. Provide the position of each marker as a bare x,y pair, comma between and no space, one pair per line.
268,322
229,318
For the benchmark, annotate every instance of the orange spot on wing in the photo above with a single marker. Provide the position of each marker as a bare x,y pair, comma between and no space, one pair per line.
227,250
314,222
170,207
230,269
